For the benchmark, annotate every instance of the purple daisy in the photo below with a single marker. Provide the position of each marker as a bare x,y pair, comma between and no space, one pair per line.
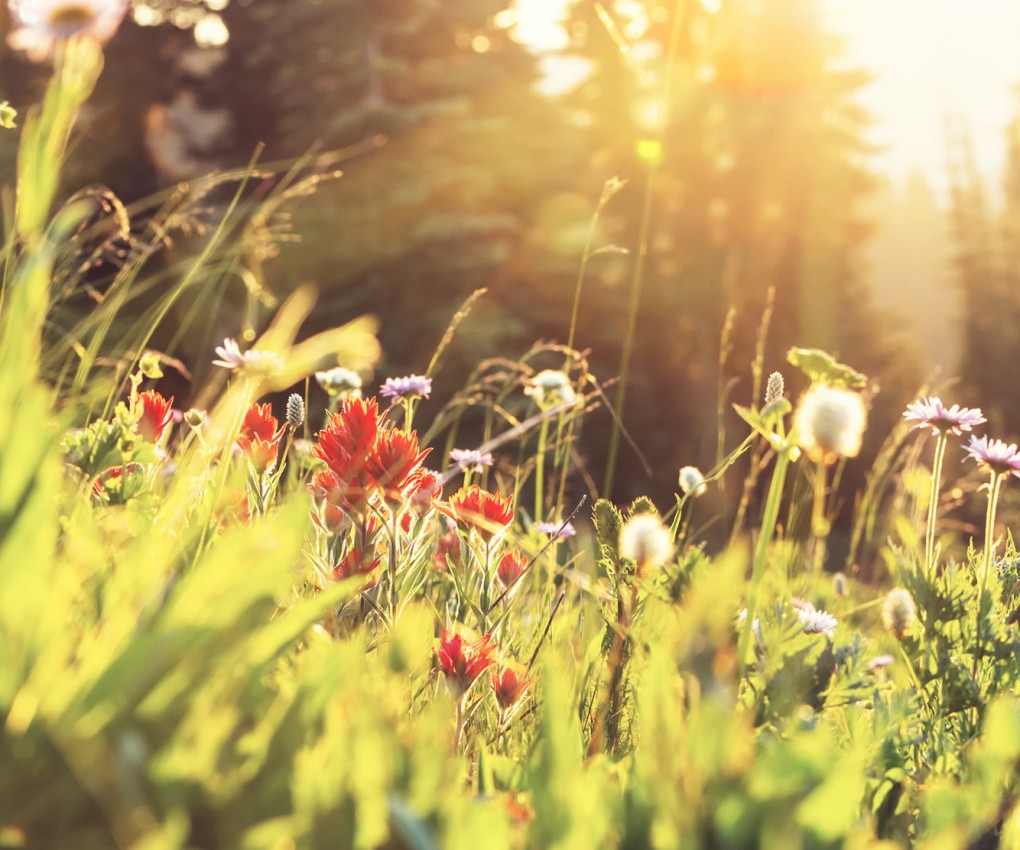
471,459
932,413
555,529
411,385
880,661
995,455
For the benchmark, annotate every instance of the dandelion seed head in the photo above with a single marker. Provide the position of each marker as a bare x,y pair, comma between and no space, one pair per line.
898,611
692,482
646,541
830,423
549,388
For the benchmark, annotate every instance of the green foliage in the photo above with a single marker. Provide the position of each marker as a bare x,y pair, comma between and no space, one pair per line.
821,367
216,638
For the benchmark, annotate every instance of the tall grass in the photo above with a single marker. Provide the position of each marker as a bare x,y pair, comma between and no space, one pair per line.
202,649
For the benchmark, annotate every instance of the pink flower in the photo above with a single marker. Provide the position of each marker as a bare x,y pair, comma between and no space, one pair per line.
932,413
995,455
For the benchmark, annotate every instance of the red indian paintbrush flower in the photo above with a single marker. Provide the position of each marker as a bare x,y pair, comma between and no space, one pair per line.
511,567
156,415
358,563
260,437
487,513
462,662
115,477
509,687
447,548
349,438
346,445
426,487
394,463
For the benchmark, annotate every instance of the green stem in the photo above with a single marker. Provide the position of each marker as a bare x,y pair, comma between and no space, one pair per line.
644,238
986,562
819,523
768,529
543,437
933,502
459,731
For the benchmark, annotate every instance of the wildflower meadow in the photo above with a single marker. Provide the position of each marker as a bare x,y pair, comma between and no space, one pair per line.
319,605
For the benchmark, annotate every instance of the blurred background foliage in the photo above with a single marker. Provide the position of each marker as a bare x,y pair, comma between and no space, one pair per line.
466,164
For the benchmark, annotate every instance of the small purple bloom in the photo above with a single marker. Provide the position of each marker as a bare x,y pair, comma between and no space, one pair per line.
995,455
554,529
471,459
932,413
880,661
412,385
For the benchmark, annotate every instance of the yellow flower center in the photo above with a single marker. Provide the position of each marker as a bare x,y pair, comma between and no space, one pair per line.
72,18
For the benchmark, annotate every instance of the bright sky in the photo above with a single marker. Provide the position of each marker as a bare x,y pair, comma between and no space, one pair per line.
932,59
935,59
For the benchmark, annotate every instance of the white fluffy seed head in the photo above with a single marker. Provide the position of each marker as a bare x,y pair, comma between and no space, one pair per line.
692,482
898,611
646,541
830,423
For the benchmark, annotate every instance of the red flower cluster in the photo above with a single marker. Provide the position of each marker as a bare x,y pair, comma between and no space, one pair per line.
448,547
509,687
462,662
114,479
487,513
511,567
357,563
259,438
156,415
364,461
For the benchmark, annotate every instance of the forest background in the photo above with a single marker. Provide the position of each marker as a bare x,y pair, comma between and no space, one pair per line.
732,151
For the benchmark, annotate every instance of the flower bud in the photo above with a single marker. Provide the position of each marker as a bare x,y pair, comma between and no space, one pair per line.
149,366
295,410
774,388
194,418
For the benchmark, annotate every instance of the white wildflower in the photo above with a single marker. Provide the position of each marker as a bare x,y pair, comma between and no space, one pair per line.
252,363
41,24
815,622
